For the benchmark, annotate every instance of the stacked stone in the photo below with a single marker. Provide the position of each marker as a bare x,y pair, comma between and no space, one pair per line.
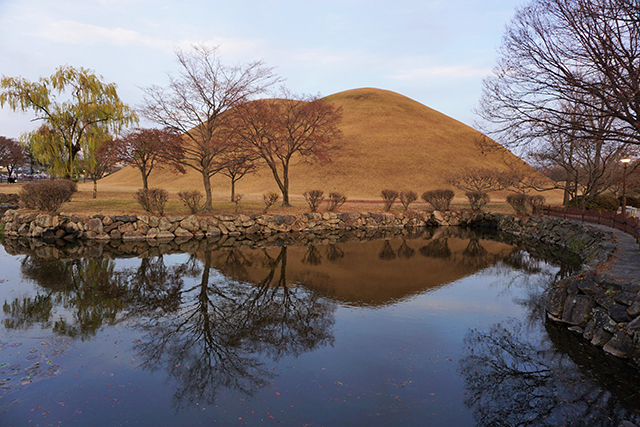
9,199
140,227
154,247
591,244
606,312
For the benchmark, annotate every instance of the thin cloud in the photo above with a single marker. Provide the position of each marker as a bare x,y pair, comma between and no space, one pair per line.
441,71
77,33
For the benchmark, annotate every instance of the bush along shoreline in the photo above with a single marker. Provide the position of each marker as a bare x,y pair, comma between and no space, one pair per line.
602,309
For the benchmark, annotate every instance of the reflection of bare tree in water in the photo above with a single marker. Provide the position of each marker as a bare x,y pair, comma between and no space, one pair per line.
154,286
523,261
312,256
476,257
334,252
514,381
436,248
236,264
221,332
405,251
192,268
387,252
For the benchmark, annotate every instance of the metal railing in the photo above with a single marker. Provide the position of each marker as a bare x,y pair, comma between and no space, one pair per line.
627,224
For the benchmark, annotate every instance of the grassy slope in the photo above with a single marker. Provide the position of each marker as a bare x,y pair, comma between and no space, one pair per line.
389,141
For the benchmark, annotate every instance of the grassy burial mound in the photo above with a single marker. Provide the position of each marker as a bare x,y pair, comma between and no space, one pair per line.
388,141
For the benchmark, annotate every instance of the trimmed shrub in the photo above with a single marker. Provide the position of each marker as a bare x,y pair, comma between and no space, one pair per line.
407,197
477,199
71,186
597,203
152,200
518,202
270,199
336,200
191,199
536,203
47,195
439,199
388,196
314,198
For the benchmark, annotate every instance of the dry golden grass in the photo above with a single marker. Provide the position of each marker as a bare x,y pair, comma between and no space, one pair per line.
389,141
123,203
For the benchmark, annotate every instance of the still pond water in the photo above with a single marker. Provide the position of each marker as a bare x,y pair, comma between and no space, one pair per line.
439,328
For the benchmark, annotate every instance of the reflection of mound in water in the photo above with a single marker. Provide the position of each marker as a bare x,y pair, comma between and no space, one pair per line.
334,253
341,266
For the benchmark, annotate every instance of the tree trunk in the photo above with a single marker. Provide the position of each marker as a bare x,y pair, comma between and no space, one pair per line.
95,188
233,190
206,180
285,185
283,189
145,181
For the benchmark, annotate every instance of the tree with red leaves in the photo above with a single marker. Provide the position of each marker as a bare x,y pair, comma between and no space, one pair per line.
147,149
280,130
12,155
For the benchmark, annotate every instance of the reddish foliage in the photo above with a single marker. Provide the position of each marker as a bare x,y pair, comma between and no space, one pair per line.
147,149
12,155
277,129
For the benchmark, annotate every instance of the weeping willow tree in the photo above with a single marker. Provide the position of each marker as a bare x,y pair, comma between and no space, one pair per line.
70,104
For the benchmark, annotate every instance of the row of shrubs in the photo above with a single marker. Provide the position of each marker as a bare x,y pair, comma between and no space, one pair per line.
48,196
441,199
315,198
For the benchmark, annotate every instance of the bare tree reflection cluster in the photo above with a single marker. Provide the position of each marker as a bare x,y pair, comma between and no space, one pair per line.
512,380
531,372
212,333
211,325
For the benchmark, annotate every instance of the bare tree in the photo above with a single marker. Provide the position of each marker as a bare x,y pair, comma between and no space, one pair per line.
195,102
583,164
238,163
583,53
277,130
477,179
147,149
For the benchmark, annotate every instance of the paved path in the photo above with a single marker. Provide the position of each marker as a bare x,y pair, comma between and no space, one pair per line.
626,265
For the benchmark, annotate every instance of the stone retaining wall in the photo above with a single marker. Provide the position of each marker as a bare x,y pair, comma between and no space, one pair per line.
603,309
141,227
9,199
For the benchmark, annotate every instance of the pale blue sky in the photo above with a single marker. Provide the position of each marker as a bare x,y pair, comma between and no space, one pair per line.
433,51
